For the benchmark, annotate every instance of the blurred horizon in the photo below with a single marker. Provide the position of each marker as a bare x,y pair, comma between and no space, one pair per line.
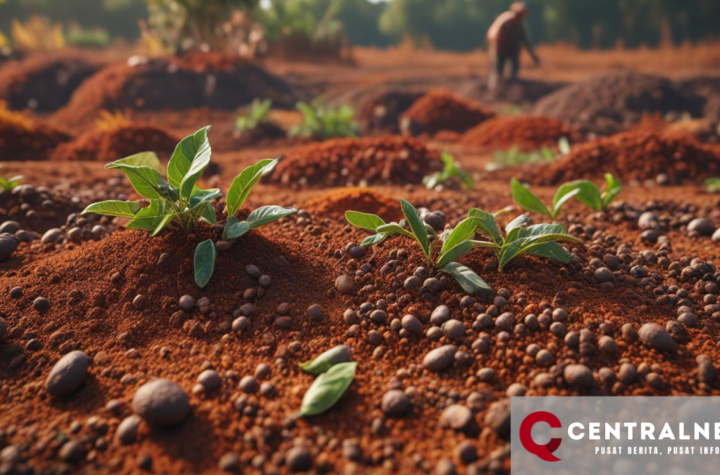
453,25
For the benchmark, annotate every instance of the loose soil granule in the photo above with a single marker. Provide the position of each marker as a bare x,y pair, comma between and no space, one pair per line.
107,145
334,204
22,138
365,161
639,156
43,83
525,132
610,103
215,80
443,110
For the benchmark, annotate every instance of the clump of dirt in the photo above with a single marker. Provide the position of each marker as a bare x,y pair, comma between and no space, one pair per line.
636,155
43,83
707,87
334,204
443,110
107,145
364,161
214,80
610,103
525,132
22,138
381,112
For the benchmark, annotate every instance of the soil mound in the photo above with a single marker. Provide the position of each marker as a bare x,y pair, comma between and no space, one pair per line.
609,103
22,138
641,155
707,87
443,110
524,92
214,80
525,132
264,132
334,204
107,145
365,161
381,112
42,82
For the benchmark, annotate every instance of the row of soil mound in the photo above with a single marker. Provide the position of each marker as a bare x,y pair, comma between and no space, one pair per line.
43,83
22,138
443,111
365,161
610,103
635,155
524,132
112,144
214,80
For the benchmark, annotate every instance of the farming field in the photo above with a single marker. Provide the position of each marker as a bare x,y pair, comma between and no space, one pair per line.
211,264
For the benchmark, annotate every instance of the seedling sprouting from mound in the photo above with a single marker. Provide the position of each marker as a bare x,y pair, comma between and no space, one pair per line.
178,201
584,191
9,184
451,171
322,121
538,240
455,243
258,114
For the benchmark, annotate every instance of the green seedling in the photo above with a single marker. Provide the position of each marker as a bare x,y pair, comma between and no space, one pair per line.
455,243
584,191
451,170
327,389
520,238
259,113
9,184
177,200
324,122
712,185
516,157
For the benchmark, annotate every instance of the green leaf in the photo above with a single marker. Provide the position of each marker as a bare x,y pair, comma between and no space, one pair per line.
551,250
327,389
373,240
588,194
203,197
460,250
205,255
563,194
167,219
188,161
417,225
259,217
518,223
542,229
319,365
527,199
364,220
148,219
487,224
470,282
391,229
209,214
243,183
463,231
613,187
4,184
140,170
124,209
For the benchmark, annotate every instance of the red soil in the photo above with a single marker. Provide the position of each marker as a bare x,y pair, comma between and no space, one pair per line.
43,82
443,110
636,156
107,145
22,138
219,81
365,161
525,132
334,204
